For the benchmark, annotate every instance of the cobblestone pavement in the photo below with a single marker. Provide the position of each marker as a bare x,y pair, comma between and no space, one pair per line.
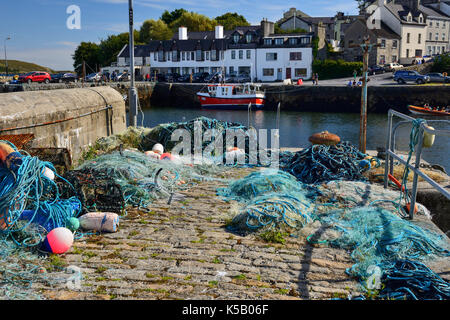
183,251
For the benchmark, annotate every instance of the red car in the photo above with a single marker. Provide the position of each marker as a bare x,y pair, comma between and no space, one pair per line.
35,76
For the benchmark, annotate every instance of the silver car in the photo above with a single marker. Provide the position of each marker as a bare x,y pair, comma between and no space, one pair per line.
438,77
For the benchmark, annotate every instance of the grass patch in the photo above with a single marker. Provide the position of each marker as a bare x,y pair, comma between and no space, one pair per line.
240,277
273,236
213,283
281,291
216,260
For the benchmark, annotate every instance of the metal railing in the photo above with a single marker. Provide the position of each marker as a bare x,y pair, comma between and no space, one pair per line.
391,155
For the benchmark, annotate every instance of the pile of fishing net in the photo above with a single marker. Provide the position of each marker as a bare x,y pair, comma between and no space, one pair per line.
270,199
320,163
163,132
30,207
115,180
380,240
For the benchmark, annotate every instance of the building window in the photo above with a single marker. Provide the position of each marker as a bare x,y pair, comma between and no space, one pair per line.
382,59
241,54
305,40
419,39
383,43
161,55
183,56
249,54
199,55
236,38
268,72
420,20
174,55
267,41
213,55
443,49
279,41
409,18
271,56
292,40
394,44
407,53
188,56
394,58
231,70
155,56
248,38
192,56
430,36
233,54
436,37
431,23
295,56
443,24
207,55
429,49
408,35
437,24
301,72
443,36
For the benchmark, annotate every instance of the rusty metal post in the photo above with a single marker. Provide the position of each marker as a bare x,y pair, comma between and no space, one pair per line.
363,117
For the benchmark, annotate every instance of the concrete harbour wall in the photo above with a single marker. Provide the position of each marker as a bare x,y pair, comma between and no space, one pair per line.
66,118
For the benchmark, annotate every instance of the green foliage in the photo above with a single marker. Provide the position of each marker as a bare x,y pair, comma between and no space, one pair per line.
229,20
154,30
442,64
169,17
315,46
194,22
110,48
16,66
273,236
331,69
88,52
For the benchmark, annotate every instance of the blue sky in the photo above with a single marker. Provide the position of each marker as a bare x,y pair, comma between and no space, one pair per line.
39,33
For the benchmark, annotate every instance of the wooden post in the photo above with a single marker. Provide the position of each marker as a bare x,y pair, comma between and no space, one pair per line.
363,116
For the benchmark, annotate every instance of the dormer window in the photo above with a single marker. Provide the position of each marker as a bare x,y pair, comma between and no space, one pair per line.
420,19
248,38
236,38
268,41
409,18
292,40
279,41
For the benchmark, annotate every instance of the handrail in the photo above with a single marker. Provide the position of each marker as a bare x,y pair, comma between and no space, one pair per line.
390,153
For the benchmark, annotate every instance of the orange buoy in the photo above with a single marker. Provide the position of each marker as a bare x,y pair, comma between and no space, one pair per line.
166,156
5,150
408,208
325,137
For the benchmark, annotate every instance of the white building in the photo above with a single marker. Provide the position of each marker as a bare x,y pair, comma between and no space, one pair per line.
253,50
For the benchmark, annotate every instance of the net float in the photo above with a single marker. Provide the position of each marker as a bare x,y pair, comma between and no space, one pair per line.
58,241
325,137
152,154
158,148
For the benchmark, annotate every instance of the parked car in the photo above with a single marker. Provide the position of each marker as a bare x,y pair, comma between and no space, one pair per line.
403,76
124,76
94,77
230,78
212,78
64,77
438,77
35,76
184,78
199,77
172,77
391,67
242,78
376,69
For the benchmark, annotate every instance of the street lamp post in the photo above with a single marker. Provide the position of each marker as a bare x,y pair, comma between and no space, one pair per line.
133,92
6,59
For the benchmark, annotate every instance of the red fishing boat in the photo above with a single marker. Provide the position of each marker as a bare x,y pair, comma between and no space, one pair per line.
425,110
232,96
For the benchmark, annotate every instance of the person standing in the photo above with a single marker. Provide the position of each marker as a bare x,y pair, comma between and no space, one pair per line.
317,78
313,77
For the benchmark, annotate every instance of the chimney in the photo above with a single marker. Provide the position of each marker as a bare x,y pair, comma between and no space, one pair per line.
267,27
414,4
219,32
182,33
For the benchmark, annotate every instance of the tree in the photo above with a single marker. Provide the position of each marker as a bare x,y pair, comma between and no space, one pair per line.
154,30
169,17
111,46
229,20
194,22
88,52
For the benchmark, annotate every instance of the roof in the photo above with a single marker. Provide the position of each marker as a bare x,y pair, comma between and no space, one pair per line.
315,20
197,35
400,12
385,32
433,12
139,51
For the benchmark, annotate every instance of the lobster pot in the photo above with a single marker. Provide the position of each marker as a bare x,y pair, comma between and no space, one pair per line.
100,221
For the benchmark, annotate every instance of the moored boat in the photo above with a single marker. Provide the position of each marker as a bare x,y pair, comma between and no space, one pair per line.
232,96
428,111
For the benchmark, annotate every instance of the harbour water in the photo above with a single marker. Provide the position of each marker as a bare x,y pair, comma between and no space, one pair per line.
296,127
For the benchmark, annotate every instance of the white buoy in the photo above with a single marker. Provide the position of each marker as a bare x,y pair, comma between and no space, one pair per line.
100,221
48,173
428,138
158,148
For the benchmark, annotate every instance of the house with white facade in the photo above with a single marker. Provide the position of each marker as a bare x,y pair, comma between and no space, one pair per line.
253,50
423,29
